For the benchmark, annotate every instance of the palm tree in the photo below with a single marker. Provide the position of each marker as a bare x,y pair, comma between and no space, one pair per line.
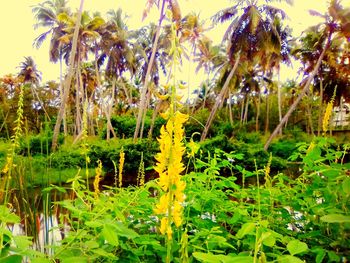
46,14
116,48
334,28
192,29
87,36
176,14
210,58
31,75
69,77
143,49
252,37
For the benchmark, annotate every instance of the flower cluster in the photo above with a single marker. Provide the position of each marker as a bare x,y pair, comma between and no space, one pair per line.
97,179
169,167
121,166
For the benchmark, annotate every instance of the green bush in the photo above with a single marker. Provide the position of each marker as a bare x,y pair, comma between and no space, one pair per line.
38,144
124,126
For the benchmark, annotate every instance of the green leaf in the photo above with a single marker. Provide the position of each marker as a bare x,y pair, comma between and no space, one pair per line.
74,260
90,244
12,259
110,235
335,218
247,228
206,257
296,247
268,239
124,231
289,259
346,186
210,258
22,242
320,254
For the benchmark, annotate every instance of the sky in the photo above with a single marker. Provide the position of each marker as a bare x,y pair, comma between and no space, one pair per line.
17,20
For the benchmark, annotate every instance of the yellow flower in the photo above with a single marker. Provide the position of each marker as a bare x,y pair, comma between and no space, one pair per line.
169,232
163,225
169,166
97,179
162,207
121,166
194,148
177,214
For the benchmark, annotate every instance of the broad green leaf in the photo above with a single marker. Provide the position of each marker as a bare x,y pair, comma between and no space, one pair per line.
22,242
90,244
93,224
335,218
210,258
206,257
6,216
289,259
247,228
320,256
268,239
333,257
346,186
296,247
74,260
12,259
110,235
124,231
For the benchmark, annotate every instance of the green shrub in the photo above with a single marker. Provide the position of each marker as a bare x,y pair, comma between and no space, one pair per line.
124,126
38,144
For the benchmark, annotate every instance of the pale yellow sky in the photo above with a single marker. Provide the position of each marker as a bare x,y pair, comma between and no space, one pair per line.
16,20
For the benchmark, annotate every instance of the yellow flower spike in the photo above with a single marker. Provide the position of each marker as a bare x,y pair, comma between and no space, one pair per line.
163,225
169,233
97,179
162,207
177,214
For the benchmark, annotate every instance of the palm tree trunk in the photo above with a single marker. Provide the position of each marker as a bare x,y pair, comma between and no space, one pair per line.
301,95
245,117
219,99
230,108
267,117
144,114
65,130
242,111
309,115
257,114
68,80
320,113
279,99
154,115
143,98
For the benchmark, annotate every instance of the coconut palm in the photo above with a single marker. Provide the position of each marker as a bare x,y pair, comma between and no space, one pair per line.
71,64
334,28
87,36
31,75
143,48
46,14
176,15
116,49
251,36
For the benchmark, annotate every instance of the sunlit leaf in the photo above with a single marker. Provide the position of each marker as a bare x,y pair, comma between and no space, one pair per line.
296,247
